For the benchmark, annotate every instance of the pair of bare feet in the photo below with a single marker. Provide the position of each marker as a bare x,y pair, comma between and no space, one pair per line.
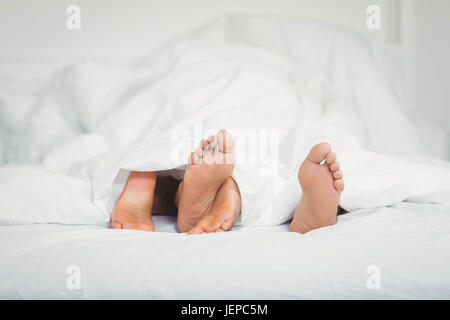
208,198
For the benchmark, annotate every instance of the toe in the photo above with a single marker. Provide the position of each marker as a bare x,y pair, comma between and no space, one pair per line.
335,166
339,185
193,158
115,225
212,140
199,152
205,225
331,157
319,152
225,141
204,144
227,224
337,175
195,230
211,224
215,225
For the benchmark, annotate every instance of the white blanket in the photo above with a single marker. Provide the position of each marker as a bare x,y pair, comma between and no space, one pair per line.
398,252
279,84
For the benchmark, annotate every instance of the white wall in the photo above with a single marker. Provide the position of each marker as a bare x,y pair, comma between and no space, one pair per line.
432,60
37,30
124,28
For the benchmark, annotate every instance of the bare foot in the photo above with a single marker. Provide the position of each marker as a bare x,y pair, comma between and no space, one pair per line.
224,212
209,166
134,208
322,184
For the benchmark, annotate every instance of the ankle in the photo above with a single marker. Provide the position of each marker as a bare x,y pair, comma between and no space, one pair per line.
305,220
139,191
297,225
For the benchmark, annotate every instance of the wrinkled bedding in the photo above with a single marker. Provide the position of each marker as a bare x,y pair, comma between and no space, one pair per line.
95,122
406,242
280,86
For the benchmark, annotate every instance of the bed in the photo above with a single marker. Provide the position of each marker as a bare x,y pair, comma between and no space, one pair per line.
63,168
406,244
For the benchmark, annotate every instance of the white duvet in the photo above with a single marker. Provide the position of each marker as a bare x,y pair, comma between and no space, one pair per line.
278,85
67,150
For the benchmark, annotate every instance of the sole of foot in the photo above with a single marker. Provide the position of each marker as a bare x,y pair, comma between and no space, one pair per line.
321,180
208,168
225,210
134,207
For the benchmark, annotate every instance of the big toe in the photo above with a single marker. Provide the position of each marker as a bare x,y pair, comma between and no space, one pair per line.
319,152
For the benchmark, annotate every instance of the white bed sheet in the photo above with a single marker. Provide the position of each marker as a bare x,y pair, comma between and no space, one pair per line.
408,242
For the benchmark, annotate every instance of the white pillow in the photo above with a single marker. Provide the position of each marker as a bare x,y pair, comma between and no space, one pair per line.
35,195
374,180
15,109
2,149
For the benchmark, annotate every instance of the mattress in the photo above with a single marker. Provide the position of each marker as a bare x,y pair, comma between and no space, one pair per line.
399,251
